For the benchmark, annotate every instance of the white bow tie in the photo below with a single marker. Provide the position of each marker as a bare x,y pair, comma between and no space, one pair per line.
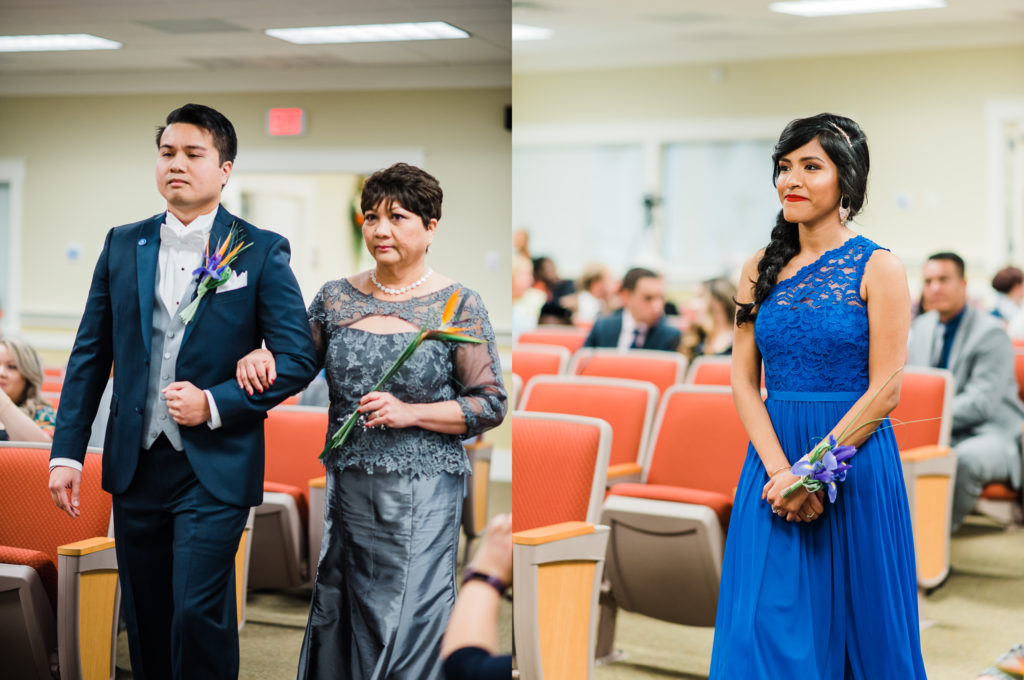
192,240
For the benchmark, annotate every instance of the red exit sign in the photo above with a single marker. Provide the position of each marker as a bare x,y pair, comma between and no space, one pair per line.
286,122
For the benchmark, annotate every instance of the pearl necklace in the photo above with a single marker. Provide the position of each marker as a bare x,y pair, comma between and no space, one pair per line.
403,289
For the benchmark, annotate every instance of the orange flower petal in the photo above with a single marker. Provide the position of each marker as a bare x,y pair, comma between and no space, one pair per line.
449,307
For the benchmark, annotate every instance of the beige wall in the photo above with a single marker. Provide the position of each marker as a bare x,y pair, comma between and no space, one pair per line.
924,115
90,165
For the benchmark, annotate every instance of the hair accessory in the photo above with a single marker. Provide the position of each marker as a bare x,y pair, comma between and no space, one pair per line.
403,289
843,133
844,209
493,581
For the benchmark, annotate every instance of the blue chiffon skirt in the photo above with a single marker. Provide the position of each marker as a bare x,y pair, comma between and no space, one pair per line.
832,599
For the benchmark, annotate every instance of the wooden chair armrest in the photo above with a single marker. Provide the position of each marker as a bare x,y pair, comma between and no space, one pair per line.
624,472
919,453
551,533
318,482
86,547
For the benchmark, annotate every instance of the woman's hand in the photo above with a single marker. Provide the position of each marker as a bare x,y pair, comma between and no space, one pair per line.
256,371
383,408
788,508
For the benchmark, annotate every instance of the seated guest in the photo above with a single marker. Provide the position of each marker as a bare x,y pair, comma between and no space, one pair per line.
987,414
597,285
1009,286
552,314
471,639
25,416
711,331
640,324
547,280
526,299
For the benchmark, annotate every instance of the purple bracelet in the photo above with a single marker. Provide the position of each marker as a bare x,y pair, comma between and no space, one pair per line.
493,581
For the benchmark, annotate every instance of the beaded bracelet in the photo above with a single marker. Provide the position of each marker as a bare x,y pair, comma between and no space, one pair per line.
493,581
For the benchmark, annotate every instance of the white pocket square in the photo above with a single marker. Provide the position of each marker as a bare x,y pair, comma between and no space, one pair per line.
234,283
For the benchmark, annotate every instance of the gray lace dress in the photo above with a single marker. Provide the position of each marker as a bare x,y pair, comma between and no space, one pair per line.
385,581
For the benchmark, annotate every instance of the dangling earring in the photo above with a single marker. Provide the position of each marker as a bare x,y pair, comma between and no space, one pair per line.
844,209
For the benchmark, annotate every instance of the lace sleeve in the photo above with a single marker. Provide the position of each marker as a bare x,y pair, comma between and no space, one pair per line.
317,315
481,392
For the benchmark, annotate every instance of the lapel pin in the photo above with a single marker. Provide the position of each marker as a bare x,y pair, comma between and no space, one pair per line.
142,241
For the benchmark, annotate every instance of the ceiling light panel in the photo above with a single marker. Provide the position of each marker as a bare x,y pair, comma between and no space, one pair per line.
827,8
319,35
55,43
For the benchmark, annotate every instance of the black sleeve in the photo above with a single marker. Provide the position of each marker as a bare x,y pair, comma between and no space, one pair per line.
474,663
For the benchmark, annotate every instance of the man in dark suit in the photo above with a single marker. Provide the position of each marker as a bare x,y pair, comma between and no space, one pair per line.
640,324
183,452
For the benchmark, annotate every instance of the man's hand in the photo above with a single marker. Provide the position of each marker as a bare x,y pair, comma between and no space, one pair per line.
65,484
187,403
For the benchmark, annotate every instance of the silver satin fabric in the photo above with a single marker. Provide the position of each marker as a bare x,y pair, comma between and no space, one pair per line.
385,582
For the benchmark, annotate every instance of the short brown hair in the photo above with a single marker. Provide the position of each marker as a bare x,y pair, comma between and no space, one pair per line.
414,189
629,281
1007,278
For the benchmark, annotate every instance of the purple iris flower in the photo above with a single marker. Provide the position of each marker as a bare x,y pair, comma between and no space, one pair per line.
831,467
210,268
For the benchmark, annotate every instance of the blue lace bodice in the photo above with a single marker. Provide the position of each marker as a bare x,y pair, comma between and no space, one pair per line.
812,331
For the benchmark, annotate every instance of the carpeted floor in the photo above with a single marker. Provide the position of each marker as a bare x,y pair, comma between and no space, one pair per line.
976,616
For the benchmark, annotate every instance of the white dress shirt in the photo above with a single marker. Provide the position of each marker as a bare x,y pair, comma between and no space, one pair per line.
176,267
631,330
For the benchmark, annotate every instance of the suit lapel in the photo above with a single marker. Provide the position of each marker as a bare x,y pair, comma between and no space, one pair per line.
146,252
218,232
957,349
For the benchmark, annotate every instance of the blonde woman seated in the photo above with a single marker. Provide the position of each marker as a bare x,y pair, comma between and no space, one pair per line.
25,416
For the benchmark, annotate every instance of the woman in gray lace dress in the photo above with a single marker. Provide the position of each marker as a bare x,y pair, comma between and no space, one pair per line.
385,582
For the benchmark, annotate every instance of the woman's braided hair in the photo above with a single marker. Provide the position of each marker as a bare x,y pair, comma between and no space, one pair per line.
846,146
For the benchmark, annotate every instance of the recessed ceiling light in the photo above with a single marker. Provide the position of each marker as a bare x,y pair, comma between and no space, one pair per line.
318,35
55,43
825,8
521,32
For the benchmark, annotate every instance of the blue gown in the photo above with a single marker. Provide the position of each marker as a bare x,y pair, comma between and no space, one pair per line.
835,598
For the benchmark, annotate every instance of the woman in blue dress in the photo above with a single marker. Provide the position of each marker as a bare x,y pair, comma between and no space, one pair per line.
813,589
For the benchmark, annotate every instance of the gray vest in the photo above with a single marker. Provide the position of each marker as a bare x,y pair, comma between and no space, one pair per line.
168,332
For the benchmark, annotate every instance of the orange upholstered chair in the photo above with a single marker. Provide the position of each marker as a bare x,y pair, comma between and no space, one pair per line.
668,533
664,369
921,424
59,596
558,478
285,522
569,337
999,500
714,370
530,360
627,405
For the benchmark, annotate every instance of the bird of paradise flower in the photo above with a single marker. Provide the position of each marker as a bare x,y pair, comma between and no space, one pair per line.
444,332
216,269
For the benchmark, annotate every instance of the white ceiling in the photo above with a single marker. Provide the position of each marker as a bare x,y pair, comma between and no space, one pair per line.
592,34
219,45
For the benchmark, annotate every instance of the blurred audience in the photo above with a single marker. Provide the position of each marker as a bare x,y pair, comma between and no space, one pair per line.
640,324
553,314
987,413
547,280
526,300
1009,286
521,243
713,319
24,414
596,293
471,640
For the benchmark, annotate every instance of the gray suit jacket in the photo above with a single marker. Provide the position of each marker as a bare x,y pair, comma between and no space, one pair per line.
981,360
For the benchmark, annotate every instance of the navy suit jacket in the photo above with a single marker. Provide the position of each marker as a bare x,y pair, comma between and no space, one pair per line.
606,330
116,329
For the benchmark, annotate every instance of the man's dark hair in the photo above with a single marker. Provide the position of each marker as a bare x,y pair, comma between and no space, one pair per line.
412,188
950,257
211,120
635,274
1007,278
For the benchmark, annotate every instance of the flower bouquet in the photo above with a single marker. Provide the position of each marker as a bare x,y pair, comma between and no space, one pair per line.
216,269
444,331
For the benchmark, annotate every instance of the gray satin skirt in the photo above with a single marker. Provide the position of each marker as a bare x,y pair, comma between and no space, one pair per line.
385,583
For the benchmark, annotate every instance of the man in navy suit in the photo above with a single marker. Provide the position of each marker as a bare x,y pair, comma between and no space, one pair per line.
183,452
640,324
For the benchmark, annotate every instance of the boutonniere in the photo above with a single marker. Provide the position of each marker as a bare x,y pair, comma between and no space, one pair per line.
216,269
444,331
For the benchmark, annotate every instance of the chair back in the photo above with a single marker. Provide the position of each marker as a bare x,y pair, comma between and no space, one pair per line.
926,396
515,383
664,369
530,360
559,468
710,370
1018,369
295,436
627,405
569,337
28,517
699,441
